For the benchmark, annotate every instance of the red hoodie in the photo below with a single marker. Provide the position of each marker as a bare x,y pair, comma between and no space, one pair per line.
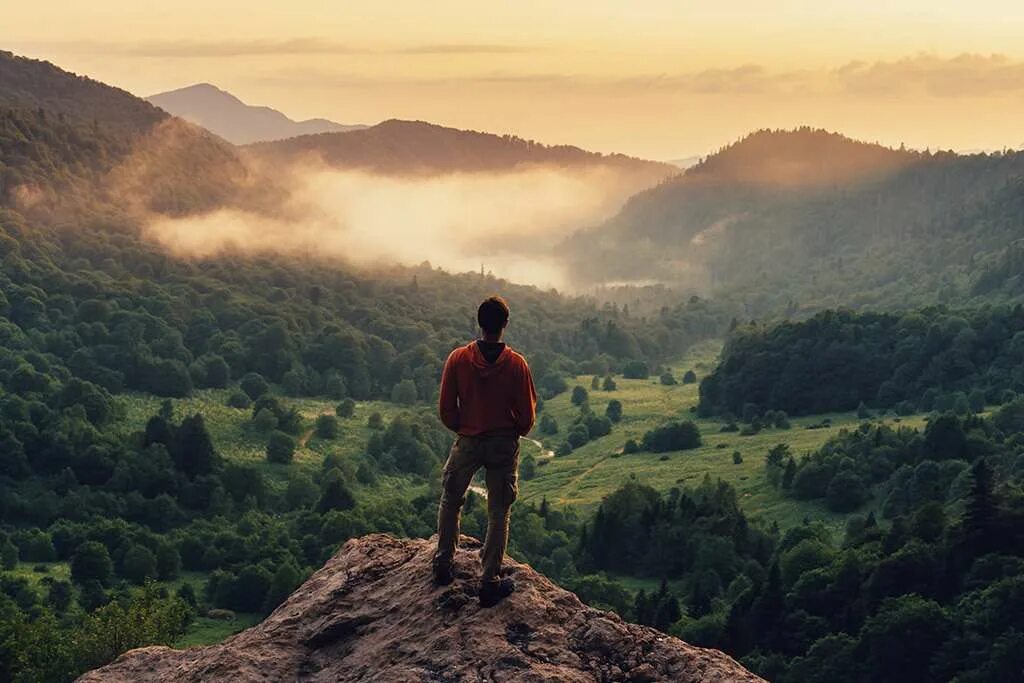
478,397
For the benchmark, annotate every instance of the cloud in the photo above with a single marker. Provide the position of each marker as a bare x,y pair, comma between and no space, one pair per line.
966,75
249,48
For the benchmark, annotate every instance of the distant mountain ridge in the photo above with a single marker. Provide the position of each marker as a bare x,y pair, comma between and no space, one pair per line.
397,146
808,219
237,122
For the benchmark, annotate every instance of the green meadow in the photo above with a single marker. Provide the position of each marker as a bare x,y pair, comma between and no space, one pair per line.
585,476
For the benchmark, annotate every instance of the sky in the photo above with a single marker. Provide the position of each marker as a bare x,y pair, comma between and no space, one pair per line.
661,80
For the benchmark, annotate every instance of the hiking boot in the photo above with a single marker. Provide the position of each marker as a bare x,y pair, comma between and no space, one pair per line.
443,573
493,592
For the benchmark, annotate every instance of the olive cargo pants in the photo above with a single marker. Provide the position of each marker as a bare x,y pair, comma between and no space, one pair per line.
500,456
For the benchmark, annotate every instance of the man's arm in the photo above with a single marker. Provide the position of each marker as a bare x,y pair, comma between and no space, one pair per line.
526,401
448,404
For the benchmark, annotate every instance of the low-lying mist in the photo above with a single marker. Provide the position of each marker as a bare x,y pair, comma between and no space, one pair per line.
508,222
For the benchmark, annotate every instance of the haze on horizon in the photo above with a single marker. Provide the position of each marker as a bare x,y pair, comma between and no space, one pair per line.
660,80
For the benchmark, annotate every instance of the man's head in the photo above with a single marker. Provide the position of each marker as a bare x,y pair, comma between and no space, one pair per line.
492,317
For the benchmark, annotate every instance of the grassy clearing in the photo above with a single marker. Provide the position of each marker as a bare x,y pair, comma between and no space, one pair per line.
60,571
236,441
207,631
589,473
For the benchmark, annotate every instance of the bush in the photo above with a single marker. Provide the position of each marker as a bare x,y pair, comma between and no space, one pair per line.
636,369
578,436
737,458
139,564
614,410
689,377
240,400
595,383
579,395
345,409
335,494
548,425
254,385
264,420
91,562
327,427
667,379
608,384
280,447
404,393
597,426
527,467
375,421
674,436
631,446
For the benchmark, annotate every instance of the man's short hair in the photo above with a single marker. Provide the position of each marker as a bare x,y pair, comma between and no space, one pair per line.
492,315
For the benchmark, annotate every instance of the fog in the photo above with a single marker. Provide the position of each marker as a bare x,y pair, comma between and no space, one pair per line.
508,222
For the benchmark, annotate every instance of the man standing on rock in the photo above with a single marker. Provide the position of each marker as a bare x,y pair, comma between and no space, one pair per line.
488,399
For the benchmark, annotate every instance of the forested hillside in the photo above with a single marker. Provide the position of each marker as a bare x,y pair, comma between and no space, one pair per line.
926,359
805,219
416,147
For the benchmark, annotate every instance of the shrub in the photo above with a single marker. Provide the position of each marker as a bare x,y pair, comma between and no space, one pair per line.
667,379
404,393
548,425
280,447
254,385
375,421
346,408
631,446
737,458
597,426
139,564
608,384
674,436
240,400
91,562
614,410
579,395
327,427
689,377
578,436
636,369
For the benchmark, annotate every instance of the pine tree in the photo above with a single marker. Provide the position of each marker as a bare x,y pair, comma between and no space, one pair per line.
981,517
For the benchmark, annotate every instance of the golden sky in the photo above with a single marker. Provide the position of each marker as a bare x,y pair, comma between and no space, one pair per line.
656,79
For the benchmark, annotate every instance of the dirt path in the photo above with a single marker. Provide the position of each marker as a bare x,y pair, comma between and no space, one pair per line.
308,434
544,452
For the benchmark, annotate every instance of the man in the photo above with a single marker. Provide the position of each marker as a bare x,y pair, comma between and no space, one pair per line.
488,399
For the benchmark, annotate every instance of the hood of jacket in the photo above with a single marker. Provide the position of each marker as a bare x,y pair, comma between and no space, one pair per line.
480,364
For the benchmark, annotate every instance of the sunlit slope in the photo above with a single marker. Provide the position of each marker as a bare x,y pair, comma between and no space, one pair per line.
583,477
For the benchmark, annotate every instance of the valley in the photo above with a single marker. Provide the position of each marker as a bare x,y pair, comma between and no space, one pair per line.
797,438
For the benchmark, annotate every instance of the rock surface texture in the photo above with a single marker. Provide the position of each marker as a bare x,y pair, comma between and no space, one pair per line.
372,614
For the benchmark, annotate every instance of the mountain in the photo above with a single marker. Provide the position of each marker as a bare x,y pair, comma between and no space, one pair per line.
418,147
807,219
237,122
31,84
372,614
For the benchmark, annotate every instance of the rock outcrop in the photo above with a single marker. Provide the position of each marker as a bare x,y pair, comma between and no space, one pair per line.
372,614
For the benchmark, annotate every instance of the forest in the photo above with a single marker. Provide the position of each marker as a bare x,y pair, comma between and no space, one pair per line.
127,518
790,222
935,358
